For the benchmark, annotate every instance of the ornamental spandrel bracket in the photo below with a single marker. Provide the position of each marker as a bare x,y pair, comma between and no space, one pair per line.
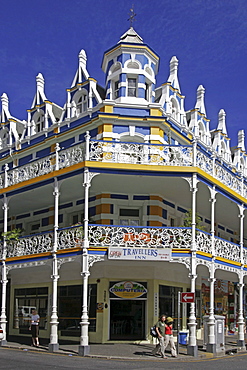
94,259
185,261
61,261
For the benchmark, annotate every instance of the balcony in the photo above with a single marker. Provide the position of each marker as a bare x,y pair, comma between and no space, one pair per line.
105,236
131,153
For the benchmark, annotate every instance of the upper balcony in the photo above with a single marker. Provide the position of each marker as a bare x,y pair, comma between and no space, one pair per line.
126,152
105,236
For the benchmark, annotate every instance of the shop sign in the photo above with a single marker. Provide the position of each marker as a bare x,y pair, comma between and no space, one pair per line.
144,254
128,289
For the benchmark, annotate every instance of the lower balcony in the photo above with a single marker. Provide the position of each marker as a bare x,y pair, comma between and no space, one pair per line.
105,236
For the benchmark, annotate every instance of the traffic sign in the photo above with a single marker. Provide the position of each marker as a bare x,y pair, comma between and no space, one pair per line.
188,297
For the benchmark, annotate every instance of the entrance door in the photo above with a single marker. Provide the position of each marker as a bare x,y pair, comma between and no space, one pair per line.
127,319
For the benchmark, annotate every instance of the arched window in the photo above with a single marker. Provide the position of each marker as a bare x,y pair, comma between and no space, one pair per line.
201,131
174,107
81,105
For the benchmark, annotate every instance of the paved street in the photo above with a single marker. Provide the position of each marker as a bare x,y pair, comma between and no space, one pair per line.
25,359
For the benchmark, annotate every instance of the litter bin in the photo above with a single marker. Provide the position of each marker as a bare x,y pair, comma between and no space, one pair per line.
182,337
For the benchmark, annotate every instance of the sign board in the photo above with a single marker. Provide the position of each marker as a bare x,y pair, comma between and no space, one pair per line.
144,254
188,297
128,289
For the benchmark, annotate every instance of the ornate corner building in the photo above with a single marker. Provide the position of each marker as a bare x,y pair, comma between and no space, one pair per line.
101,189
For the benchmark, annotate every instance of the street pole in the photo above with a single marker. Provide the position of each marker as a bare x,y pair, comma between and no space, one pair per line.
179,314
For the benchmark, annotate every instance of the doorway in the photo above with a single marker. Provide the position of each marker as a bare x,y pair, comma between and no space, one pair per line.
127,319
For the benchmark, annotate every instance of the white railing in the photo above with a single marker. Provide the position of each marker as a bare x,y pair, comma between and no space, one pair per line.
120,152
228,250
124,236
33,244
127,236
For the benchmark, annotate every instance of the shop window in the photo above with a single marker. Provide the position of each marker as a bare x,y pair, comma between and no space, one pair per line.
129,217
70,309
168,302
26,300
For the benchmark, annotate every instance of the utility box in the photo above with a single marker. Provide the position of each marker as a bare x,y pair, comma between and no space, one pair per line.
219,332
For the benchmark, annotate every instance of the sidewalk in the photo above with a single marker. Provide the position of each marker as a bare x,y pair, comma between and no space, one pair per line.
131,351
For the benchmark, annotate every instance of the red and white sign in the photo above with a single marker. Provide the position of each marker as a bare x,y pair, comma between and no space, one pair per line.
188,297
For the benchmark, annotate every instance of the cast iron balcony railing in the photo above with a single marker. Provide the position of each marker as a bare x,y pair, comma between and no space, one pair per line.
133,153
104,236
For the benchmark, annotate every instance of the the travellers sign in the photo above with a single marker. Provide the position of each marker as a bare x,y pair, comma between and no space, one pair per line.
128,289
148,254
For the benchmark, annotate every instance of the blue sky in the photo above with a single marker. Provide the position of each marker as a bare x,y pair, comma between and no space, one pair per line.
209,37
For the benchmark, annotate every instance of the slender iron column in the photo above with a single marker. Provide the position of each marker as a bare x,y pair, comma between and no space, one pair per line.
84,347
241,339
54,345
211,345
3,318
192,348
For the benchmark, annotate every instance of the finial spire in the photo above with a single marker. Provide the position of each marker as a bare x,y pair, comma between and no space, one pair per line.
132,16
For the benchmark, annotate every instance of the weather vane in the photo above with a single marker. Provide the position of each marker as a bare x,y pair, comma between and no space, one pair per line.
132,16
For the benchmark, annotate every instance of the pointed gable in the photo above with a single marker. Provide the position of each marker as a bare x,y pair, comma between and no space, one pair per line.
197,120
43,113
169,95
221,141
83,94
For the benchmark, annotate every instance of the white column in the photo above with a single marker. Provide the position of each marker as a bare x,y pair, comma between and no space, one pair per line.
53,345
192,348
3,318
211,344
241,340
84,348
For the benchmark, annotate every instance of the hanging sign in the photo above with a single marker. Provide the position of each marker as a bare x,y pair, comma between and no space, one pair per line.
144,254
128,289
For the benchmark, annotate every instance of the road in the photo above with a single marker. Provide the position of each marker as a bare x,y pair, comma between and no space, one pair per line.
22,360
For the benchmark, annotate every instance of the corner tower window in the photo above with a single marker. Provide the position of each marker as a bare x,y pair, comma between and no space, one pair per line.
115,89
132,87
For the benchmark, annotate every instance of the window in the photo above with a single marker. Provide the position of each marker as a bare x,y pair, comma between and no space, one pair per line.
115,89
81,105
148,91
132,86
40,124
70,306
129,217
27,299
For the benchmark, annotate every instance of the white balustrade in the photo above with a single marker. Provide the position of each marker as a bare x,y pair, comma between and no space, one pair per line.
33,244
203,241
124,236
226,249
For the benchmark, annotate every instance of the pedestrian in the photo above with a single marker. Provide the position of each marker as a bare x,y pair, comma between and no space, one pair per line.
169,336
34,327
160,330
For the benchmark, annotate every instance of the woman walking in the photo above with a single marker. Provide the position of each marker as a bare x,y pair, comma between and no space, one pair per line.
34,327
